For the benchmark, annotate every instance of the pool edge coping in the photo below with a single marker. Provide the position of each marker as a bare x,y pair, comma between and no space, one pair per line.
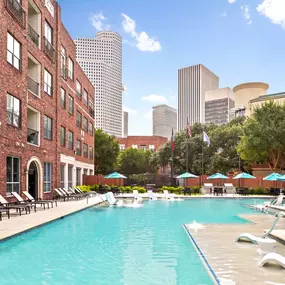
205,262
46,223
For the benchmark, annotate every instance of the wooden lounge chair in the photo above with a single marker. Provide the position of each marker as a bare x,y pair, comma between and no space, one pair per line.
40,202
21,201
7,206
6,211
64,191
61,195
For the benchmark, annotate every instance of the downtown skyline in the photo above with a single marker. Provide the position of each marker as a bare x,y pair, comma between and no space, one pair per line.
237,41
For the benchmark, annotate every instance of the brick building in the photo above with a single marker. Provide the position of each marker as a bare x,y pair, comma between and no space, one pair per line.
152,143
47,102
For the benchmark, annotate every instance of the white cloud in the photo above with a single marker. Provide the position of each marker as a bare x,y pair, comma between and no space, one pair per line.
274,10
224,14
231,1
143,41
129,110
154,98
148,115
98,20
245,12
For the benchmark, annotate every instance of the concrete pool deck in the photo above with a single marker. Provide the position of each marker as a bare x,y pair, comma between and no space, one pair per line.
18,224
238,261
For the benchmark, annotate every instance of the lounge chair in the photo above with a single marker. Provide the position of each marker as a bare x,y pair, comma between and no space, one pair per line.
6,211
5,205
72,193
21,201
151,195
136,194
170,197
61,194
112,201
273,258
66,193
254,239
40,202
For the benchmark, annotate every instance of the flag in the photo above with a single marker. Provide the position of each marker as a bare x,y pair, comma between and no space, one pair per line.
188,129
172,140
206,139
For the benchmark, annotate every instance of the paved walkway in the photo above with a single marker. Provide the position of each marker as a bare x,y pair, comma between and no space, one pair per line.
18,224
238,262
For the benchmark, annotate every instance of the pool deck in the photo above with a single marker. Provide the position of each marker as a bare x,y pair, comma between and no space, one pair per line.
237,262
18,224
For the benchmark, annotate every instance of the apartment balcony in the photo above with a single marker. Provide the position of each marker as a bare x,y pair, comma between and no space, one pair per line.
33,126
64,71
34,75
49,49
33,136
33,86
17,11
34,36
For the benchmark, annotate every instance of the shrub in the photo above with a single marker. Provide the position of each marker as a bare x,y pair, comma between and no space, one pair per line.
85,188
196,189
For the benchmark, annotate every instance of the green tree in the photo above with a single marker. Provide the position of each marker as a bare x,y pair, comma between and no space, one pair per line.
263,139
221,156
106,152
134,161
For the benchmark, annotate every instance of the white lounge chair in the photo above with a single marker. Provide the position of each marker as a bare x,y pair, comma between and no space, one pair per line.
254,239
273,258
151,195
170,197
136,194
112,201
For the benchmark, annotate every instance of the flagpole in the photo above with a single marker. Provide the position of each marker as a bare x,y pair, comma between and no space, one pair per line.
187,162
172,156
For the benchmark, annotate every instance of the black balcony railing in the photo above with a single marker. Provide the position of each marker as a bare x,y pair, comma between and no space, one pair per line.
33,137
33,35
49,49
17,11
91,113
64,71
33,86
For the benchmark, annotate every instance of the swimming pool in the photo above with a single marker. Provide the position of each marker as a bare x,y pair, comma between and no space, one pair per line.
132,246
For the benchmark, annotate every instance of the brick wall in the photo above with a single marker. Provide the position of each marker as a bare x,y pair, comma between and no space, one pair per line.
13,141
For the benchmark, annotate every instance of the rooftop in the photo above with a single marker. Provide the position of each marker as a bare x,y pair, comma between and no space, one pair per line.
268,97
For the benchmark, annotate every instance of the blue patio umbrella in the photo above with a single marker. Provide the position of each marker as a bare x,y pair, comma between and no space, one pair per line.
115,175
244,175
281,178
186,175
272,177
218,176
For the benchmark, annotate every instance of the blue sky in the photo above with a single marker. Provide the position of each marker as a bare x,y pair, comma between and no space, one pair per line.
239,40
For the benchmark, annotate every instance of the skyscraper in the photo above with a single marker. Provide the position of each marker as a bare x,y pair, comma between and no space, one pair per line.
164,119
101,60
218,104
125,127
193,82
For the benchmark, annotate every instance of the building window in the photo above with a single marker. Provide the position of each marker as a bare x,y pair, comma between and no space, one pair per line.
122,147
70,168
12,175
13,111
70,139
90,172
78,176
91,153
47,82
62,176
91,129
85,150
47,177
62,136
78,89
78,119
135,146
85,124
48,33
70,105
13,52
85,97
85,171
151,147
78,147
70,68
63,63
47,128
62,98
143,147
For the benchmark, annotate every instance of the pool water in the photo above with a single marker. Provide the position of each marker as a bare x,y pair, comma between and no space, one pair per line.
132,246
